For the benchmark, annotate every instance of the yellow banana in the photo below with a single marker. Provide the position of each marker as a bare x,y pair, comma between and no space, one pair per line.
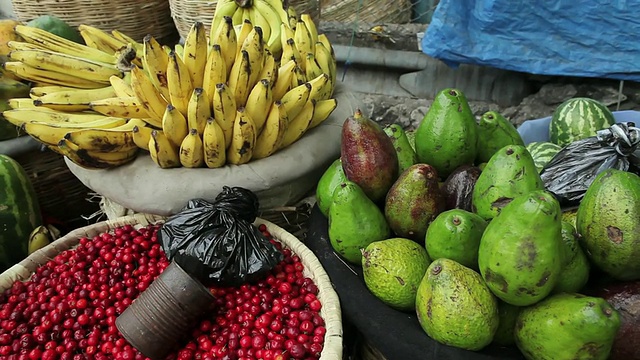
127,39
195,53
254,46
155,61
283,80
269,68
237,16
259,100
299,76
312,68
225,37
299,124
21,103
179,50
277,6
89,160
39,238
44,133
295,99
106,122
215,71
20,115
100,39
120,87
293,16
327,44
304,39
174,125
224,110
167,49
271,137
243,139
38,91
290,52
130,125
192,150
116,158
258,20
213,140
103,140
326,62
311,27
323,109
73,100
274,20
240,77
141,136
162,151
126,107
179,83
224,8
68,64
148,95
199,110
56,43
19,45
30,73
320,87
242,34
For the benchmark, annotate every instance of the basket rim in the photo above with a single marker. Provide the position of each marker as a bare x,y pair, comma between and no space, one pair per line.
330,312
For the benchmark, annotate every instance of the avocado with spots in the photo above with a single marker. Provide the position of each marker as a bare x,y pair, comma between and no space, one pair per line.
520,254
608,221
455,307
567,327
494,133
575,265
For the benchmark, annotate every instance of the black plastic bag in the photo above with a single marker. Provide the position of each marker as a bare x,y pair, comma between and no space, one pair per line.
217,242
571,171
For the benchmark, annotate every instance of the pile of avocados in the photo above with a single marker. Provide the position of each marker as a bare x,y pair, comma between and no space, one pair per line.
453,223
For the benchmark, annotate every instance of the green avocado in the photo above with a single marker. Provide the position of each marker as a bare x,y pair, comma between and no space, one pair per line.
56,26
494,133
329,181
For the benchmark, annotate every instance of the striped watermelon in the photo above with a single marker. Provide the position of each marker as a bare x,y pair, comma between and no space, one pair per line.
542,152
19,212
578,118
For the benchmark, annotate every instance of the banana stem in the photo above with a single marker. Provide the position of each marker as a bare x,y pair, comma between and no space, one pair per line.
244,3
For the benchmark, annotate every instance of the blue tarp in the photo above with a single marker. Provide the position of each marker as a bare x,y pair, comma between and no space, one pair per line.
584,38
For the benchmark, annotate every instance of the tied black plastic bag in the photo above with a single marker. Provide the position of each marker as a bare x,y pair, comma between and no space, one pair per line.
217,242
571,171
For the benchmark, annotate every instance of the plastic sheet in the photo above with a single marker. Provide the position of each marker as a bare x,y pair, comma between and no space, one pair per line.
217,242
571,171
572,38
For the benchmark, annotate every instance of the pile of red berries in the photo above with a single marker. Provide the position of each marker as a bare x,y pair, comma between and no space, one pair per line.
67,310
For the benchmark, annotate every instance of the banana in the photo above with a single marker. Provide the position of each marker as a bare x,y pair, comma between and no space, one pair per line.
286,33
278,9
107,122
224,110
215,71
192,150
162,151
130,125
290,52
259,101
199,110
21,103
299,76
254,46
102,140
269,68
59,44
179,83
243,139
174,125
304,39
126,107
127,39
258,20
323,109
37,91
148,96
167,49
271,137
237,16
225,37
195,53
93,160
30,73
327,44
100,39
299,124
51,133
155,61
270,14
179,49
311,27
19,45
320,87
73,100
120,87
312,68
224,8
295,99
326,62
241,35
283,80
213,140
113,157
141,136
39,238
240,77
20,115
293,16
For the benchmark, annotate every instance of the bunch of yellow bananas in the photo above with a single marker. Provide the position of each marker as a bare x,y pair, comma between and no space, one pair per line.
225,99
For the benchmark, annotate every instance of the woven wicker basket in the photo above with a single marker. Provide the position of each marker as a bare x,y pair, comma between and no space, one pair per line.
330,312
133,18
373,11
186,12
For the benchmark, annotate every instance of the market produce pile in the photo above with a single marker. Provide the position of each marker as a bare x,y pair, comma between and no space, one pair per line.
255,84
453,222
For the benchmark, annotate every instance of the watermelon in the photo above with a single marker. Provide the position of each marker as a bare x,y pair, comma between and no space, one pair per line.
542,152
19,212
578,118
